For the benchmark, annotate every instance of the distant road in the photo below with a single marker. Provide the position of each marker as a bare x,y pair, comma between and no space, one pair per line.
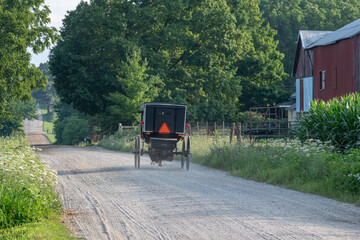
34,131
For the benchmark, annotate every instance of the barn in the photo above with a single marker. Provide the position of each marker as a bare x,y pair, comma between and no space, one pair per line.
327,64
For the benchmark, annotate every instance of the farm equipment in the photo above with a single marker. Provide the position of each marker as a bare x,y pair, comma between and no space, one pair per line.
163,125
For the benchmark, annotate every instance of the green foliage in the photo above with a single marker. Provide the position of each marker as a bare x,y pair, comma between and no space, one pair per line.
18,112
113,55
335,121
138,88
72,130
27,190
244,117
71,127
120,141
23,27
290,16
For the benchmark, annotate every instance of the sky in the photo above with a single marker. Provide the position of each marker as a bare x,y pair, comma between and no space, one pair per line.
58,9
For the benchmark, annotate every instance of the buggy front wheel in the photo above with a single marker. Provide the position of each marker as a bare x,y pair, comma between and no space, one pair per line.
137,153
183,153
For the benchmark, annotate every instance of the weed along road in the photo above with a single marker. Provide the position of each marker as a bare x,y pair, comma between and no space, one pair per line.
105,197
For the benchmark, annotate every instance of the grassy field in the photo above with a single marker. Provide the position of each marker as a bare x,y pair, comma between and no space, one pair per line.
312,167
28,201
51,137
48,118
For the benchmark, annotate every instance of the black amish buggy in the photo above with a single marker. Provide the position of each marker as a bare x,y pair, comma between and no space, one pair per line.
162,127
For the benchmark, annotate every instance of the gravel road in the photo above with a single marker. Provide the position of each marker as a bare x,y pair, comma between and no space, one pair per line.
106,198
34,131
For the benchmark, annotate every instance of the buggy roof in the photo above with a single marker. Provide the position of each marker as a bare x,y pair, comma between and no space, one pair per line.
157,104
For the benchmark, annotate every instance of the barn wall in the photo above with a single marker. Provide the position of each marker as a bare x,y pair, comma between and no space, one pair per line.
298,95
304,68
339,61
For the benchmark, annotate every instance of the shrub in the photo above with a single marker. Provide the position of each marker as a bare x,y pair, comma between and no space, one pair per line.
335,121
121,141
27,186
72,130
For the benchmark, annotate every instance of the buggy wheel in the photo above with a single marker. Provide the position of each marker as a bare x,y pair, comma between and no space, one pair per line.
142,147
138,158
188,154
136,152
183,155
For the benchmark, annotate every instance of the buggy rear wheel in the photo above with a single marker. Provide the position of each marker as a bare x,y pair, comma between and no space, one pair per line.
188,154
137,153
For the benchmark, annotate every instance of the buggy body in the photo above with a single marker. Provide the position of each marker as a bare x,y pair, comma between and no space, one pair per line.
163,125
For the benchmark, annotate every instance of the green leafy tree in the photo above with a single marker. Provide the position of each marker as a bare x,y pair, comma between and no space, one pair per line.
72,130
18,112
138,88
23,26
260,68
290,16
71,127
194,52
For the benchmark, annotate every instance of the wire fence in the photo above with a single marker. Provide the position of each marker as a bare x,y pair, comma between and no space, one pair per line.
237,131
268,129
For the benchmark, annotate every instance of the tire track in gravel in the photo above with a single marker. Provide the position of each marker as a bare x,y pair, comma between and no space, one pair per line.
111,200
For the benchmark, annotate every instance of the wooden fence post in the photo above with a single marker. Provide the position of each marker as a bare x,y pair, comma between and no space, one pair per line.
197,127
214,126
207,128
223,129
189,129
238,133
232,130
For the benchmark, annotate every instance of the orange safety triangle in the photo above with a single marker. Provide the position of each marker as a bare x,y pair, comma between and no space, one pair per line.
164,129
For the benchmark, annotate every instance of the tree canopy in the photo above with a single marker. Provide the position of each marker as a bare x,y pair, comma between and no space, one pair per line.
18,111
23,26
113,55
290,16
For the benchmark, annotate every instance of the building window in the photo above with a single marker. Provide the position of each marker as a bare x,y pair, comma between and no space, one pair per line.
322,79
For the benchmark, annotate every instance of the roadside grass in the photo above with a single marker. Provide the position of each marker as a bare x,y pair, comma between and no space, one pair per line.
311,167
48,127
28,201
48,118
43,230
51,137
120,141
